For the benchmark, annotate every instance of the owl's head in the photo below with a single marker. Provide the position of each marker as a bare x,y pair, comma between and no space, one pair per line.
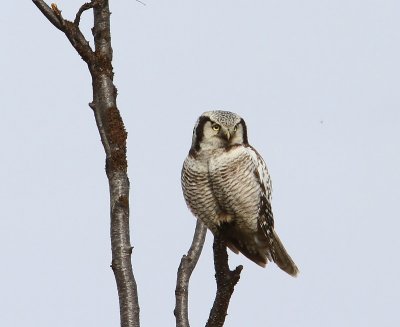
218,129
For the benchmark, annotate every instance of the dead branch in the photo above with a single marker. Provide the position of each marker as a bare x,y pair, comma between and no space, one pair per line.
84,7
226,280
188,263
113,137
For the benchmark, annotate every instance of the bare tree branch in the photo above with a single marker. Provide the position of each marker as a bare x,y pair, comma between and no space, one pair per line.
72,31
84,7
188,263
49,13
113,137
226,281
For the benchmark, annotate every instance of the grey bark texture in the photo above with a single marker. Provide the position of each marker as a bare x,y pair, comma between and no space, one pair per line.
188,263
113,137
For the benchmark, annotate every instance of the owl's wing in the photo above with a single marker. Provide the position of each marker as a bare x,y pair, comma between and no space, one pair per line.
265,217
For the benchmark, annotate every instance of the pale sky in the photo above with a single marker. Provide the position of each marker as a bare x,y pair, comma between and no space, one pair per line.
317,83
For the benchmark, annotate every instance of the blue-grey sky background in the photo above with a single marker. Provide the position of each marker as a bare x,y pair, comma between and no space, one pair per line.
318,85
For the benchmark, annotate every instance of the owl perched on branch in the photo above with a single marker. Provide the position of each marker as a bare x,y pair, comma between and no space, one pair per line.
227,186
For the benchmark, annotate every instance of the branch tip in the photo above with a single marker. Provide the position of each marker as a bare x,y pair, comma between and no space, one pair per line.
84,7
55,9
53,14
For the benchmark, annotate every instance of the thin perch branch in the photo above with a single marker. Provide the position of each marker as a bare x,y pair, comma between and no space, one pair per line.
188,263
226,281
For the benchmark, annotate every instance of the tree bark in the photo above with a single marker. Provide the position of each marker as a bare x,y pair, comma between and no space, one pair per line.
226,280
113,137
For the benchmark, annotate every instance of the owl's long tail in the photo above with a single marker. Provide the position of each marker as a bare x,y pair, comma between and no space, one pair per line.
282,258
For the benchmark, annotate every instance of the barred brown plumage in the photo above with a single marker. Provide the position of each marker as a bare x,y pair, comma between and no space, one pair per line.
227,186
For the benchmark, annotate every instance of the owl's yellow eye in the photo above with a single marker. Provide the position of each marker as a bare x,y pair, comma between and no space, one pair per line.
216,127
235,128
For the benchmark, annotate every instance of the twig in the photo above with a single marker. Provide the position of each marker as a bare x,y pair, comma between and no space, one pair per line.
188,263
71,31
84,7
226,281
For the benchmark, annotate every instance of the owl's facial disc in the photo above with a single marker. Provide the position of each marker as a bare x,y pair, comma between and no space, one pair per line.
218,129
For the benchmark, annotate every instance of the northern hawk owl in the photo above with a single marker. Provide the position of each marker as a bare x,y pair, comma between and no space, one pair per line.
227,186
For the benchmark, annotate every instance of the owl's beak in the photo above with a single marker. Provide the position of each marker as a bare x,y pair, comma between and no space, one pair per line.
226,134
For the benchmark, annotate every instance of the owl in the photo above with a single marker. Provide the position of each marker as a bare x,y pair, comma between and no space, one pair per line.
227,186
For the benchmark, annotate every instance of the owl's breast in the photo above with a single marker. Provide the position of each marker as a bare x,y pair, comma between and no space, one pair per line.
198,192
234,185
